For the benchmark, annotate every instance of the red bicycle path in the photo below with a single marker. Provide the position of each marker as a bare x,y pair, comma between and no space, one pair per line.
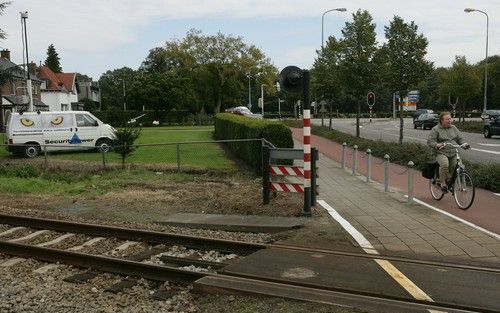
484,212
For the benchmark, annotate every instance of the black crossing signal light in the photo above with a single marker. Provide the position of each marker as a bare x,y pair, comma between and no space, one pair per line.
370,98
290,79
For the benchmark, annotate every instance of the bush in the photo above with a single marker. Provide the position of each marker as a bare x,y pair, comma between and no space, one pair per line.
232,126
22,171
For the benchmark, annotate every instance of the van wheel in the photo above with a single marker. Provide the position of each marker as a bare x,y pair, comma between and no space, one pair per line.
31,151
103,145
487,133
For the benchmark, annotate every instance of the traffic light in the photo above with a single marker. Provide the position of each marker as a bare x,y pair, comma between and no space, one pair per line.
290,79
370,99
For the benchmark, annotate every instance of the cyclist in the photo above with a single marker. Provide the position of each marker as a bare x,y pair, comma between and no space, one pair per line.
445,155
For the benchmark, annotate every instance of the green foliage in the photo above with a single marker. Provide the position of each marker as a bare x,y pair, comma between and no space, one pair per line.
470,126
22,171
124,142
114,85
52,60
3,6
232,126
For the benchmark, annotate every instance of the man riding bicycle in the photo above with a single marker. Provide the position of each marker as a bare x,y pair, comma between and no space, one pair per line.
445,155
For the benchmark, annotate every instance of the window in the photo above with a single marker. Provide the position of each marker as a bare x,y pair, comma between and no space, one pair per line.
84,120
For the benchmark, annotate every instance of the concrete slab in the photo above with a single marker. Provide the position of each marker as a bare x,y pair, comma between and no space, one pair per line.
246,223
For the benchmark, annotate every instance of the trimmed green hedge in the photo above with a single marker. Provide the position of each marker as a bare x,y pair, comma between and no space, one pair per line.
232,126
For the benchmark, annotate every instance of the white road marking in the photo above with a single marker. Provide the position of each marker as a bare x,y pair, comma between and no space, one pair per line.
489,144
399,277
497,236
497,194
486,151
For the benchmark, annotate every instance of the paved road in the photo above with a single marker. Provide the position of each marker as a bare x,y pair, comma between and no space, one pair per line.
483,150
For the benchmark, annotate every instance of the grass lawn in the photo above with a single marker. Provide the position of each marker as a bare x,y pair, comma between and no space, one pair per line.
163,149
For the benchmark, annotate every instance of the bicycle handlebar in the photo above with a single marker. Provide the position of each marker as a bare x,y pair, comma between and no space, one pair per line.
463,146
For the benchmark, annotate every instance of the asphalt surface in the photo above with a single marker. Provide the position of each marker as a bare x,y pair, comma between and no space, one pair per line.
484,150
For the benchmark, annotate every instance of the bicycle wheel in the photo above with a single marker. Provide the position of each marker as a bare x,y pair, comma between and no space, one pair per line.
435,189
463,190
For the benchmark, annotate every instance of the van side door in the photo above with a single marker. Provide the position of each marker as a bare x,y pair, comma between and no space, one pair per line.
87,129
58,130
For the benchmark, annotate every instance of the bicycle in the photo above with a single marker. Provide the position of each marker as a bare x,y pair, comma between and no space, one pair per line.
460,185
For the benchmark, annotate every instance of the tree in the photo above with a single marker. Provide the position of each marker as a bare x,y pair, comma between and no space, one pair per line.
112,85
407,66
124,141
216,66
3,6
162,92
460,81
358,48
52,60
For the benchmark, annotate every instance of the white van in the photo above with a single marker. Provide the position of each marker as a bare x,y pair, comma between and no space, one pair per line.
30,132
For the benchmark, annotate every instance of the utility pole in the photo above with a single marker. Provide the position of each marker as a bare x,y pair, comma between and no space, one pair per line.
24,16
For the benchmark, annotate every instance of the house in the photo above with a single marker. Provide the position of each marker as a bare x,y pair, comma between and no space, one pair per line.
58,90
89,90
13,93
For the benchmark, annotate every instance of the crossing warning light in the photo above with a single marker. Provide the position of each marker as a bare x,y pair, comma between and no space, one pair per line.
370,99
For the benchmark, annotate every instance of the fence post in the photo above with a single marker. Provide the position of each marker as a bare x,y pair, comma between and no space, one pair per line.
178,148
368,165
103,154
410,181
344,145
386,172
354,159
265,174
45,156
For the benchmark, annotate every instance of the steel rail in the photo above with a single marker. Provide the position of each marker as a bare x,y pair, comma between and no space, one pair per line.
166,273
238,247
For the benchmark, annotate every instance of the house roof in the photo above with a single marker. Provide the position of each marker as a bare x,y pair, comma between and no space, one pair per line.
57,81
18,100
16,71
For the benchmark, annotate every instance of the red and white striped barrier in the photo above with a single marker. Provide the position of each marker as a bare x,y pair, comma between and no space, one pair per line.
286,170
284,187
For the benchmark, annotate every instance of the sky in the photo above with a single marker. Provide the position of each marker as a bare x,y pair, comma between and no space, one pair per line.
93,36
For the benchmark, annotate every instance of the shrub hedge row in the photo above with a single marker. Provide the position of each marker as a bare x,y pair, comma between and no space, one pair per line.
486,176
232,126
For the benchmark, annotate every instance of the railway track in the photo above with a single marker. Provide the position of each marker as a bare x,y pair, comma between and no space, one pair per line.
173,269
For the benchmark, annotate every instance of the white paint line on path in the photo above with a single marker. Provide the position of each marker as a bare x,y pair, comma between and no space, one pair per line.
489,144
387,266
497,194
495,235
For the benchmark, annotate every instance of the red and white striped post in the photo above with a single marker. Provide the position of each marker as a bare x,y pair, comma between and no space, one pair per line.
307,144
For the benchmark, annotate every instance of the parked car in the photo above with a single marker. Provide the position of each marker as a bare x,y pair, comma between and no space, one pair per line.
426,121
419,112
490,113
243,110
491,126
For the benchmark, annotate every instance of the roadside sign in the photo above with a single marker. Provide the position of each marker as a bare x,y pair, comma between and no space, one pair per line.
413,96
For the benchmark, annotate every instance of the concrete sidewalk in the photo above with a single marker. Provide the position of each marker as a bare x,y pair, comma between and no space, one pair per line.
393,226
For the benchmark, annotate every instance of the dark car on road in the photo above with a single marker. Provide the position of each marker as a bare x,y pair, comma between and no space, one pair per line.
419,112
491,123
426,121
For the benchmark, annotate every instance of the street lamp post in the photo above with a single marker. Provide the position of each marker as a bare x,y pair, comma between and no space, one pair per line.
249,92
469,10
323,21
262,97
24,17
